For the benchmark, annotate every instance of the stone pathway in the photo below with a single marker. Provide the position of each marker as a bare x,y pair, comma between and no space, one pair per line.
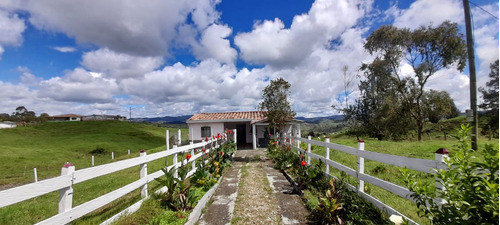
253,192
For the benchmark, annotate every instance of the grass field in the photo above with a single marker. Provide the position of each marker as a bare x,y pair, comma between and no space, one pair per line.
414,149
48,146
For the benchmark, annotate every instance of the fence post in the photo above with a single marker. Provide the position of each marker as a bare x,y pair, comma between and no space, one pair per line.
144,173
112,155
235,139
92,160
327,155
309,150
361,166
66,194
179,139
128,151
167,139
440,156
192,155
175,161
36,175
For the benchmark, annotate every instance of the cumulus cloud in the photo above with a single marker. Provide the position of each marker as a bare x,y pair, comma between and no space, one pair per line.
128,27
11,29
270,43
119,65
214,44
425,12
79,86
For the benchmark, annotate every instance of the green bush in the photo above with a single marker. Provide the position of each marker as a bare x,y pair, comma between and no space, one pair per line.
470,191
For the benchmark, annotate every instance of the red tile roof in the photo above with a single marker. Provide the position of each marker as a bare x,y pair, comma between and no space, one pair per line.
253,116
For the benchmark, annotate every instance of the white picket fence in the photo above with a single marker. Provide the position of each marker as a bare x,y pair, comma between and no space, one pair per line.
70,176
423,165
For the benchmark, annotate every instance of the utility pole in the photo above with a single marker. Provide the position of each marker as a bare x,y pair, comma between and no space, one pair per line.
130,114
472,73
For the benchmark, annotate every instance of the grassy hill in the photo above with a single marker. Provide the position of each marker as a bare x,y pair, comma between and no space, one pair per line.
48,146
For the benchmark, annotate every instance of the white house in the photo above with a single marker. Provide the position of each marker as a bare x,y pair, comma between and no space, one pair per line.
251,127
67,117
7,124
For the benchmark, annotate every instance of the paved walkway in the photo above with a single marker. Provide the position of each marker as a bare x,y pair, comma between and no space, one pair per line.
252,192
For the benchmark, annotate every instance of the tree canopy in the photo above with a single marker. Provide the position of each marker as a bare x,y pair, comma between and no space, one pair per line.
276,105
426,49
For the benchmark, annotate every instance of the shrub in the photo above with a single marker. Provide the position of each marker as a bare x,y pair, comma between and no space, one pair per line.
470,191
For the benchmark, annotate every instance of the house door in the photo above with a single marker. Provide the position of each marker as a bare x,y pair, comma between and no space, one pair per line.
241,133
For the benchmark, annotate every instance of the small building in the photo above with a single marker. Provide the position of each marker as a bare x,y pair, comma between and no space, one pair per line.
95,117
7,124
252,128
66,117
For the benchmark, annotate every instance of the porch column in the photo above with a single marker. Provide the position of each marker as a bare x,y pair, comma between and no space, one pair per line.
254,137
298,129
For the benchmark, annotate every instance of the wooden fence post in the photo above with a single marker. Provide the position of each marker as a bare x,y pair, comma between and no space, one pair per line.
440,156
327,155
66,194
361,166
179,139
36,174
175,161
167,139
112,155
192,155
144,173
93,161
309,150
235,139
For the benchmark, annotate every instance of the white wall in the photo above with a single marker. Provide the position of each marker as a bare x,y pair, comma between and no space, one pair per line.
195,129
7,125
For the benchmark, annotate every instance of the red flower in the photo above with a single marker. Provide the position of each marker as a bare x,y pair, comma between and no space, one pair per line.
303,163
206,138
203,149
188,156
221,153
206,154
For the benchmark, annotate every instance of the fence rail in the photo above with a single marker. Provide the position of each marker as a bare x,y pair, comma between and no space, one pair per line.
70,177
422,165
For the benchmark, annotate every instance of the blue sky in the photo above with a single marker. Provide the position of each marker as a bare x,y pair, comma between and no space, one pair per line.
184,57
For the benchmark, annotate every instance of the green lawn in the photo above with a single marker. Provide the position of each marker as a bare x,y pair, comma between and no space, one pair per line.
414,149
48,146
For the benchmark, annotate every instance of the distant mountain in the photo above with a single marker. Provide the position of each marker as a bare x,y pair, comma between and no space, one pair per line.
165,119
316,120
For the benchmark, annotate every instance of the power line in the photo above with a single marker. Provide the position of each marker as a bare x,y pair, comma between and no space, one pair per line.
483,9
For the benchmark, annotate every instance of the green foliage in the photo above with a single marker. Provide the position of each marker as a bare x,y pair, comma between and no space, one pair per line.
427,50
178,195
470,187
437,105
490,97
276,105
329,206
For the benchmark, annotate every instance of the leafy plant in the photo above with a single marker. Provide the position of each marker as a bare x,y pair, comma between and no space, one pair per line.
329,206
178,196
470,192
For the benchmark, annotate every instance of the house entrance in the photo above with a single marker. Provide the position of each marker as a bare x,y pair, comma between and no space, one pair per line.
241,134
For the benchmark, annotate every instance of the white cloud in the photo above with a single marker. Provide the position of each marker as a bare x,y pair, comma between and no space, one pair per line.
127,27
119,65
425,12
11,28
214,44
78,86
65,49
270,43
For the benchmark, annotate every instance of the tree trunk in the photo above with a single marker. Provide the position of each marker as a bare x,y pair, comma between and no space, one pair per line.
420,128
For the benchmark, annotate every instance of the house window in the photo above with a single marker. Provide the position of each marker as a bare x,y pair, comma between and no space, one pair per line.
206,132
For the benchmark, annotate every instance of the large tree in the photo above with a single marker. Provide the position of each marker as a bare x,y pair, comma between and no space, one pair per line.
437,105
490,96
427,50
379,111
276,105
